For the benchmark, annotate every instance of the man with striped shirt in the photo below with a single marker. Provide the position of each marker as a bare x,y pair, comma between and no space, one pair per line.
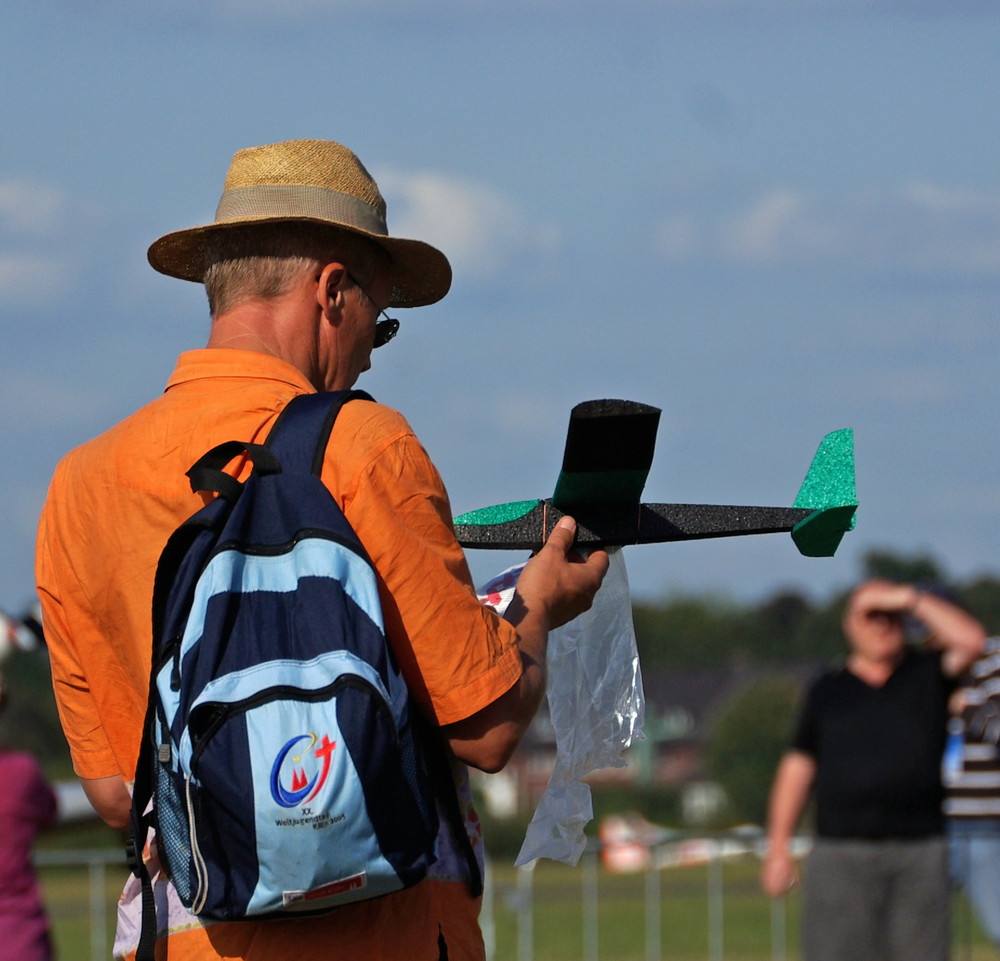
972,780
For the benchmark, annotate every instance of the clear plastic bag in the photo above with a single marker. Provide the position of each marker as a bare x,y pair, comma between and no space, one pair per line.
596,706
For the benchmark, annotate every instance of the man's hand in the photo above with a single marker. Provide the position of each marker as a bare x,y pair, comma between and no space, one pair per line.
779,873
793,782
884,597
558,583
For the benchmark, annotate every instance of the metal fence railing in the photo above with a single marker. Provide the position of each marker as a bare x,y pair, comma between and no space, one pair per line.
714,882
104,871
99,908
672,849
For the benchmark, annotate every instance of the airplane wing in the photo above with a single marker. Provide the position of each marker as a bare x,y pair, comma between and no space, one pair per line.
609,450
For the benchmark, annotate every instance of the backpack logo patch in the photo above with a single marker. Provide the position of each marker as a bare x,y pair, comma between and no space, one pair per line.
303,769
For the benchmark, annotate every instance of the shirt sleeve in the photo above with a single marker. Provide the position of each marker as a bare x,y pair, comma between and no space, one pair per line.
78,712
806,735
456,655
981,696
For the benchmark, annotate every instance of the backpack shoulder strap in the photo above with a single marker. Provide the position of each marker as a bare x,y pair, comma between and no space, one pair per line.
299,439
300,435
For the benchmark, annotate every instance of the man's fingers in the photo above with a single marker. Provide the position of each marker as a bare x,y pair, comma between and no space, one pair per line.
563,535
561,539
600,561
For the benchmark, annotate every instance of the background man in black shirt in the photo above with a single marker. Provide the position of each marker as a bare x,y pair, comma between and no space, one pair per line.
869,743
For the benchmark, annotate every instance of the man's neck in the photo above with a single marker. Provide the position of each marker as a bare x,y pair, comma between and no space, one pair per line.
265,328
875,673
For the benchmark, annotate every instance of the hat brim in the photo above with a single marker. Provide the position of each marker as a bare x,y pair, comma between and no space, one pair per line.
420,273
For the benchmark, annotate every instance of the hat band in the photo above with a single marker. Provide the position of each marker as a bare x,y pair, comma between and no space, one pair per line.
273,201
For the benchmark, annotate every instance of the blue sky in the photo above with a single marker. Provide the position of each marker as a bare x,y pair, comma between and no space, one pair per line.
770,219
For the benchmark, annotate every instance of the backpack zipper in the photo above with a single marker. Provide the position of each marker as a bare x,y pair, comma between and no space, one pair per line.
223,710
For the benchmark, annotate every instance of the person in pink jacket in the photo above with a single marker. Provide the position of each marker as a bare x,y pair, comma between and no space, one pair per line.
27,807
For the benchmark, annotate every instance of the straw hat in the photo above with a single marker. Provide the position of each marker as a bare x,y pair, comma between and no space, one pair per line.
308,181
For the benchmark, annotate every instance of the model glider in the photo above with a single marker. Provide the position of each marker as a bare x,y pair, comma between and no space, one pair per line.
609,450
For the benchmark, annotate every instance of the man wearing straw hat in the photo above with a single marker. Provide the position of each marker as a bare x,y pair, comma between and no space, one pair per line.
299,268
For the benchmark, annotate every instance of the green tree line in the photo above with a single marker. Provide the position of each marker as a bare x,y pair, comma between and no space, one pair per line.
787,627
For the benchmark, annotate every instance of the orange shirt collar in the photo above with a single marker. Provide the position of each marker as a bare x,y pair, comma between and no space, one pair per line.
221,362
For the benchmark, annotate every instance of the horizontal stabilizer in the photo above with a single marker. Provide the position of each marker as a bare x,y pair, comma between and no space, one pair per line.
820,534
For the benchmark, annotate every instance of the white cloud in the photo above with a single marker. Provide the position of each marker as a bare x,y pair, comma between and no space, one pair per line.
920,226
524,416
480,230
33,218
760,233
940,199
26,279
29,208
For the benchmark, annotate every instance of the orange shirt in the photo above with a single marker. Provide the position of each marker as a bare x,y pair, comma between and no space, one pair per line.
114,501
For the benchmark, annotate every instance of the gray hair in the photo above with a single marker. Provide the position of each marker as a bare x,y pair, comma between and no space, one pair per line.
265,262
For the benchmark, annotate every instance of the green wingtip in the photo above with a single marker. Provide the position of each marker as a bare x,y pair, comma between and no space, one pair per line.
497,514
829,488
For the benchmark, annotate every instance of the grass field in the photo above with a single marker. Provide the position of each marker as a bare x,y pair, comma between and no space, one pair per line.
622,921
563,921
685,931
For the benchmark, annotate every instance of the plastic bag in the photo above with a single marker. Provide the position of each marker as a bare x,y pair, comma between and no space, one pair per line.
594,693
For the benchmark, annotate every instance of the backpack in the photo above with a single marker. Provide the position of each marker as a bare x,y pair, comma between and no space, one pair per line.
288,769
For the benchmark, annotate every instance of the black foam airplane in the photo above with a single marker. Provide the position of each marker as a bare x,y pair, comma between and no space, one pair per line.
609,450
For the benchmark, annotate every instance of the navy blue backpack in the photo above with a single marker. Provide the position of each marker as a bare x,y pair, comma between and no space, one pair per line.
288,769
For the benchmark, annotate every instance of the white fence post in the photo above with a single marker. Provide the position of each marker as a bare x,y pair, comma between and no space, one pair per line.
98,909
716,918
589,903
778,929
525,917
653,936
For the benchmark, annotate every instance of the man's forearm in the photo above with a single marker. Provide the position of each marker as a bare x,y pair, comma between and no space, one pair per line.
957,634
110,799
792,784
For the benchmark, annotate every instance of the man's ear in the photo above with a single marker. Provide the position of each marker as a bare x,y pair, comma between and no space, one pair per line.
330,287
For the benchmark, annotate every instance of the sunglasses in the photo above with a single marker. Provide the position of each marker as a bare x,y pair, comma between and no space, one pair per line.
386,327
385,330
895,617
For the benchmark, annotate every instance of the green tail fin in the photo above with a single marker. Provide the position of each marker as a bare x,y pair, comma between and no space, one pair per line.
829,490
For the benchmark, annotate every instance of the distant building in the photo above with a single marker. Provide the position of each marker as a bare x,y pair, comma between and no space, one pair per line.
680,707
